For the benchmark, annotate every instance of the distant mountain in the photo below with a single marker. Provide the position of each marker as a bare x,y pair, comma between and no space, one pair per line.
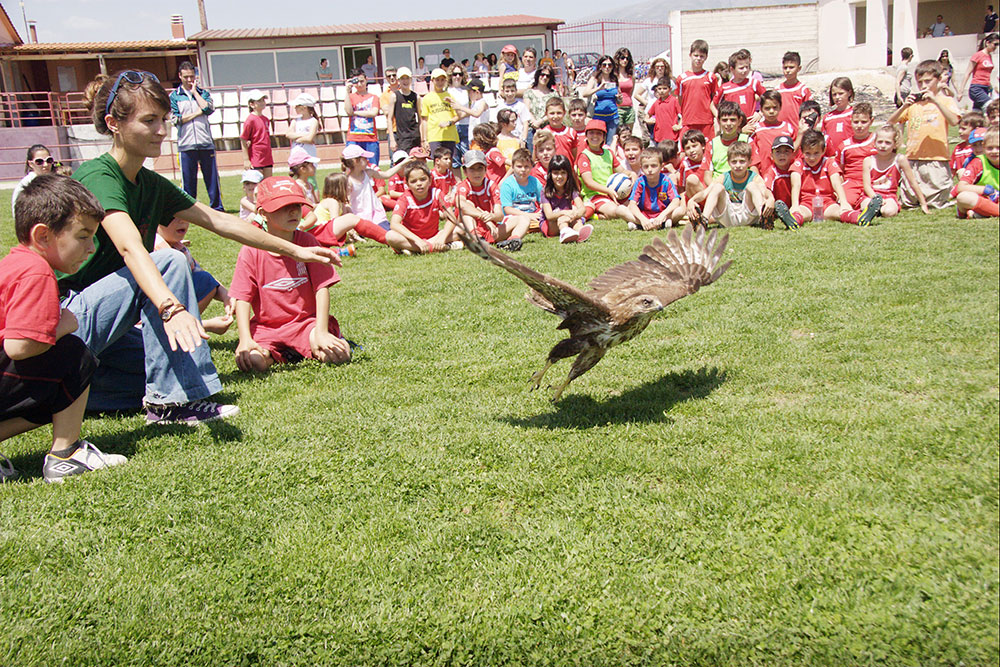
657,10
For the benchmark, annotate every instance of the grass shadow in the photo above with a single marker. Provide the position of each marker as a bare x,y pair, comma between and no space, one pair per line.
646,403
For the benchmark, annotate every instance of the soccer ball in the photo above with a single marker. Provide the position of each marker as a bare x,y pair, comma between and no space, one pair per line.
621,185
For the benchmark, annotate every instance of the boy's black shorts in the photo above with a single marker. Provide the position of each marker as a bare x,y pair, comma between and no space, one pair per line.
38,387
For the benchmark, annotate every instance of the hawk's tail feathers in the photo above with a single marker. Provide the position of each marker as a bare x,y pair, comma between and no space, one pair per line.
694,260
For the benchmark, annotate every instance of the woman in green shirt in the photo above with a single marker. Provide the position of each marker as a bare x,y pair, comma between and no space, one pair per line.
166,365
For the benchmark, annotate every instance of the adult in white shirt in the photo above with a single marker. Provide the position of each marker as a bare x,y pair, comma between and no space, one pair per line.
526,73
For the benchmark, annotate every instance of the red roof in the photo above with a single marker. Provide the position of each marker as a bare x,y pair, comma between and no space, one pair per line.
394,26
103,47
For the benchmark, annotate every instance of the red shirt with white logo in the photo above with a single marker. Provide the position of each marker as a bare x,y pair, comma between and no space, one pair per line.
962,152
696,92
779,181
762,140
281,290
837,128
816,181
423,217
851,157
792,98
485,198
744,94
565,142
496,165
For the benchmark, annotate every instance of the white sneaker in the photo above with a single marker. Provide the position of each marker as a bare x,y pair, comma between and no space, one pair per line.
632,226
568,235
87,457
456,245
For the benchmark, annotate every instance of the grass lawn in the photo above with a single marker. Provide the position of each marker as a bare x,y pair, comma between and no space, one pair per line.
796,466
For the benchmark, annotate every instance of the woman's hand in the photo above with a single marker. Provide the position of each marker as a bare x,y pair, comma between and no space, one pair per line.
184,331
317,254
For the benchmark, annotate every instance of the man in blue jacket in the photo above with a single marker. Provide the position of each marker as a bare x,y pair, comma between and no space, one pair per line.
191,106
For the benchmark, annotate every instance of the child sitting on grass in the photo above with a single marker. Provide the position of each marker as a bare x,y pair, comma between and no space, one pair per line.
596,164
248,204
507,141
332,221
290,300
206,287
302,168
578,123
543,147
696,171
882,171
963,151
562,206
361,194
45,372
444,180
418,213
478,199
740,197
631,147
654,202
395,186
565,136
520,197
978,189
485,135
784,180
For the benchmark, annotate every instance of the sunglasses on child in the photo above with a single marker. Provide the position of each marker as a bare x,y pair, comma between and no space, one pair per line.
135,77
43,160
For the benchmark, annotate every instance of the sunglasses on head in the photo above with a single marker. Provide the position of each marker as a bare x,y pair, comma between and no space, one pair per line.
43,160
135,77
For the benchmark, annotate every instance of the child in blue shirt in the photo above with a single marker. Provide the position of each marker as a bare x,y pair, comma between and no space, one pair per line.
654,201
520,196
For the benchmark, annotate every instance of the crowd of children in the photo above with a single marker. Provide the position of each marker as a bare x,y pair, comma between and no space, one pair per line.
728,152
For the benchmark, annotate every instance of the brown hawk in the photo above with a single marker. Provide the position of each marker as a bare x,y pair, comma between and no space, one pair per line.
621,301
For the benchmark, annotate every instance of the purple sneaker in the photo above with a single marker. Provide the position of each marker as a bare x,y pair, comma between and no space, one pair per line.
192,414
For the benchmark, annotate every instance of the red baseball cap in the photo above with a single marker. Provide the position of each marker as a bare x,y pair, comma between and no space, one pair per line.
595,124
278,192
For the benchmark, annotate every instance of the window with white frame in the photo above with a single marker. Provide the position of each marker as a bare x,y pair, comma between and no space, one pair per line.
250,68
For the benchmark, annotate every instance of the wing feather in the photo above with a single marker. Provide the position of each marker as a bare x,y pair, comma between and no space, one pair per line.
548,293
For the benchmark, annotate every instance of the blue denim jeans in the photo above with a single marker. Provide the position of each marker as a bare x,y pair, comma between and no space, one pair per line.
980,96
370,146
137,365
190,159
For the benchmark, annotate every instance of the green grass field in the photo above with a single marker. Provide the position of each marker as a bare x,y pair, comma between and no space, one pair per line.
797,465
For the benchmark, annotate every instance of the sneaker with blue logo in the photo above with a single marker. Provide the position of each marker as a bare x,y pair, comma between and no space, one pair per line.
86,458
191,414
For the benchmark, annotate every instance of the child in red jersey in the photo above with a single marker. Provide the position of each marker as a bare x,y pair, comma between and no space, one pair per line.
963,151
443,177
543,147
395,186
770,128
418,213
565,136
654,201
478,200
666,114
696,89
741,89
290,300
821,184
853,152
978,190
595,165
793,92
563,209
837,121
672,160
485,135
578,121
45,371
333,223
784,180
882,170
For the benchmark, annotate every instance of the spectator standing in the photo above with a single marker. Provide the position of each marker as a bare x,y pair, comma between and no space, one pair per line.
990,21
403,111
947,73
493,62
536,97
977,78
305,128
458,81
191,106
324,73
526,73
369,68
904,75
438,115
38,161
480,67
420,72
447,62
603,86
645,94
362,107
626,85
255,139
939,28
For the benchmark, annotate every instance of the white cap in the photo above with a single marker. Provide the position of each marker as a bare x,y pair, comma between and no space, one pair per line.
255,94
252,176
304,100
399,156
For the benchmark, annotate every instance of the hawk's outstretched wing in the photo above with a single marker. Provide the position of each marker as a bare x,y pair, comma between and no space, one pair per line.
668,271
549,293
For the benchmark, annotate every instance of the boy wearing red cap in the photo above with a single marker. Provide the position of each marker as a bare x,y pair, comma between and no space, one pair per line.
290,300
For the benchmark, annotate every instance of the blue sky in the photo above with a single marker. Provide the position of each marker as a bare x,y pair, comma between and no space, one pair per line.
116,20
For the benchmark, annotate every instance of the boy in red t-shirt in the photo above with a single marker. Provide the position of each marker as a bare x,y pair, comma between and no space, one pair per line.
290,300
45,372
578,120
478,199
418,213
443,177
742,89
543,147
395,186
696,89
963,151
666,114
784,179
977,191
793,92
853,152
565,137
770,128
696,171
